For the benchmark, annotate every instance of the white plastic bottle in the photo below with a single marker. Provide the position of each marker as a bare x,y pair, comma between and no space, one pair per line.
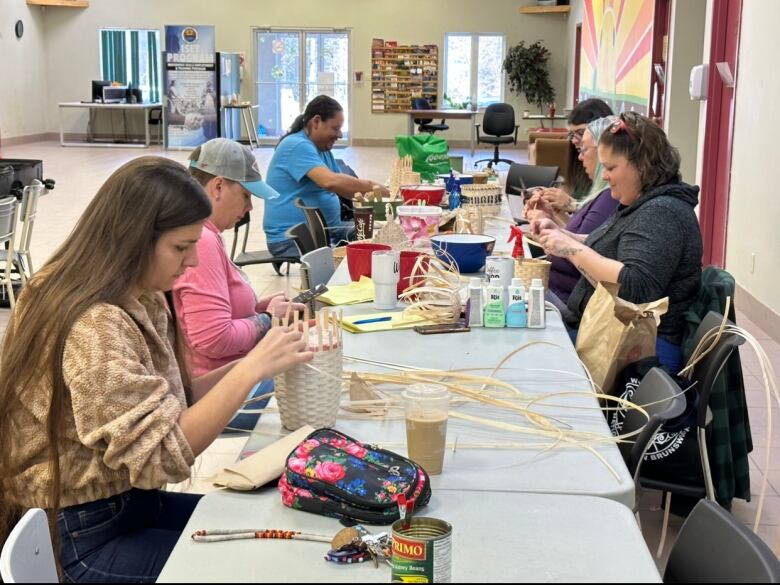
516,313
475,302
495,312
536,305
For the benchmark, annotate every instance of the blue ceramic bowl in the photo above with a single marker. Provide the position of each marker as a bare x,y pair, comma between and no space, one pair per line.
468,250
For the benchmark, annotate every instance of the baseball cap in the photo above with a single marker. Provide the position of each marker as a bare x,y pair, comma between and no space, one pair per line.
227,158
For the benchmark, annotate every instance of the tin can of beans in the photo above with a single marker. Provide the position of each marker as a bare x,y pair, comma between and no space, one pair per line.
499,270
422,551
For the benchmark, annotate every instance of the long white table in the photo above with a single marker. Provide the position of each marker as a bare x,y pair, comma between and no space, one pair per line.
504,538
539,369
94,107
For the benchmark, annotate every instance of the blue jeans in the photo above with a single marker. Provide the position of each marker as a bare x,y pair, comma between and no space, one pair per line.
122,539
246,421
284,248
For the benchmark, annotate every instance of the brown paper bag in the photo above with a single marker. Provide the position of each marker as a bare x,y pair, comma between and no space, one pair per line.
614,333
261,467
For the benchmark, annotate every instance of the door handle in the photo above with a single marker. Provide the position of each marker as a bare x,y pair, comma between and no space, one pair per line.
724,70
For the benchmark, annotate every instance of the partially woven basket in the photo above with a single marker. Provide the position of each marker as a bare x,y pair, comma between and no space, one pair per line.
306,396
339,254
527,269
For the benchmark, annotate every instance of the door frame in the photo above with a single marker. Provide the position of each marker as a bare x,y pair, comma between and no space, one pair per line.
301,31
577,63
662,22
718,137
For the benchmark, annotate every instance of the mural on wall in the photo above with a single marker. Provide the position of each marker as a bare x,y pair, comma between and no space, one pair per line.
617,42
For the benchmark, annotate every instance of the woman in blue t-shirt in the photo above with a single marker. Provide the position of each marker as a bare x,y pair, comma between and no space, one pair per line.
303,166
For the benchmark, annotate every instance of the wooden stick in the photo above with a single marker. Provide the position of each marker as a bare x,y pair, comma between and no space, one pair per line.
319,330
265,533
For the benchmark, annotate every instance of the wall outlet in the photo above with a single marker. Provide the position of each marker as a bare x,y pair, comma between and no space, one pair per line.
753,263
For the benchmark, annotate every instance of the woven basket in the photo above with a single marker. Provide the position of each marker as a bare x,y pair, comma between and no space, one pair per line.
339,254
305,396
527,269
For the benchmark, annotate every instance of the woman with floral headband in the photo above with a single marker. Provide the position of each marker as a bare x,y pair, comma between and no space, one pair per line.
651,245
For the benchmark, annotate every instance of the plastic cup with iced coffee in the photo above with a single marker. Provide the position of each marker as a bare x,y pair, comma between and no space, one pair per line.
426,407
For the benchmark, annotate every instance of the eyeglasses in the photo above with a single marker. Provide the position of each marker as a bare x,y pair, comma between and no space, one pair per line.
620,125
576,135
584,149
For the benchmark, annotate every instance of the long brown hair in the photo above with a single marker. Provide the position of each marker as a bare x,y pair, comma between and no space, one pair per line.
103,258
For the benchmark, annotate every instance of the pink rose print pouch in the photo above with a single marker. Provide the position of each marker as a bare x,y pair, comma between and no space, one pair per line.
335,475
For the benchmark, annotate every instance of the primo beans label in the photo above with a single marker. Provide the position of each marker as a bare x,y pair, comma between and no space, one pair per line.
422,561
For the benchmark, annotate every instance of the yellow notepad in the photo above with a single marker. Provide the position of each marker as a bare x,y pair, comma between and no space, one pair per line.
353,293
398,320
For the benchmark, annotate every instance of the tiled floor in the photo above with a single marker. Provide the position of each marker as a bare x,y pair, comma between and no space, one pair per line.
79,172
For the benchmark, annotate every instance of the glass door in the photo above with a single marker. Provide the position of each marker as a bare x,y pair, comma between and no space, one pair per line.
294,66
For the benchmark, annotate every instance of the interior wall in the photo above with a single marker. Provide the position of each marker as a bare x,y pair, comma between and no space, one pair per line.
754,207
685,50
72,40
23,67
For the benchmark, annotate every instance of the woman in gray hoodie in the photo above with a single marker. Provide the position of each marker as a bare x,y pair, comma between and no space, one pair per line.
651,245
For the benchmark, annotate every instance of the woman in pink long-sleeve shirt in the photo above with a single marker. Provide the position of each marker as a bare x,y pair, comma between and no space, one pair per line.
218,312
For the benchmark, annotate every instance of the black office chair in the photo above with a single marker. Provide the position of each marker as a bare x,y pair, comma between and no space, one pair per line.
703,377
426,125
714,547
300,234
315,222
155,119
260,256
663,400
688,474
499,127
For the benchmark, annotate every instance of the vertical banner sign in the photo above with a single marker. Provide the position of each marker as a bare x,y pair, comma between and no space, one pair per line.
191,111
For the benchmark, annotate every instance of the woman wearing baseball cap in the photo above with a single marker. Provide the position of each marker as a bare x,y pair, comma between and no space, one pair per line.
219,314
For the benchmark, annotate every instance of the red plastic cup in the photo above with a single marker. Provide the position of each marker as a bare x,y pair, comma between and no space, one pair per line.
408,260
359,258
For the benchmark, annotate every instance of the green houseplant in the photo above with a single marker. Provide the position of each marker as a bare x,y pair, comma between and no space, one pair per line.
527,73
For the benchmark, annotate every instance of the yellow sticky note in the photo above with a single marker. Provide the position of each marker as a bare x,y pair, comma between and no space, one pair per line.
361,291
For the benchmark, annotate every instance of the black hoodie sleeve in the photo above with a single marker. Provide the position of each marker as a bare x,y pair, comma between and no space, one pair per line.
650,249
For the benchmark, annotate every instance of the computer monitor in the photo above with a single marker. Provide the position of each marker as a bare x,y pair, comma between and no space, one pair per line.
97,89
114,94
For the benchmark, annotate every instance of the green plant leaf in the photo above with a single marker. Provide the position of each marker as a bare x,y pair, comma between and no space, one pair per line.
528,73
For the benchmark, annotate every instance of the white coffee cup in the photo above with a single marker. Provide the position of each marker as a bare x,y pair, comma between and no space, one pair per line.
385,272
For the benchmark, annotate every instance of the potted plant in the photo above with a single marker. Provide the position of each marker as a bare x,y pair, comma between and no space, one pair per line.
527,72
454,104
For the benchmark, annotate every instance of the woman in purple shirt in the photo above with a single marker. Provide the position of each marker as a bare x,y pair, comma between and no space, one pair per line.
591,212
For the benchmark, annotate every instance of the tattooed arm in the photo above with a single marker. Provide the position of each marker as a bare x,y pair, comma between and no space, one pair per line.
592,265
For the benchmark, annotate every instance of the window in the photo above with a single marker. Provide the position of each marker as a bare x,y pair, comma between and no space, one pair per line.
132,56
473,68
